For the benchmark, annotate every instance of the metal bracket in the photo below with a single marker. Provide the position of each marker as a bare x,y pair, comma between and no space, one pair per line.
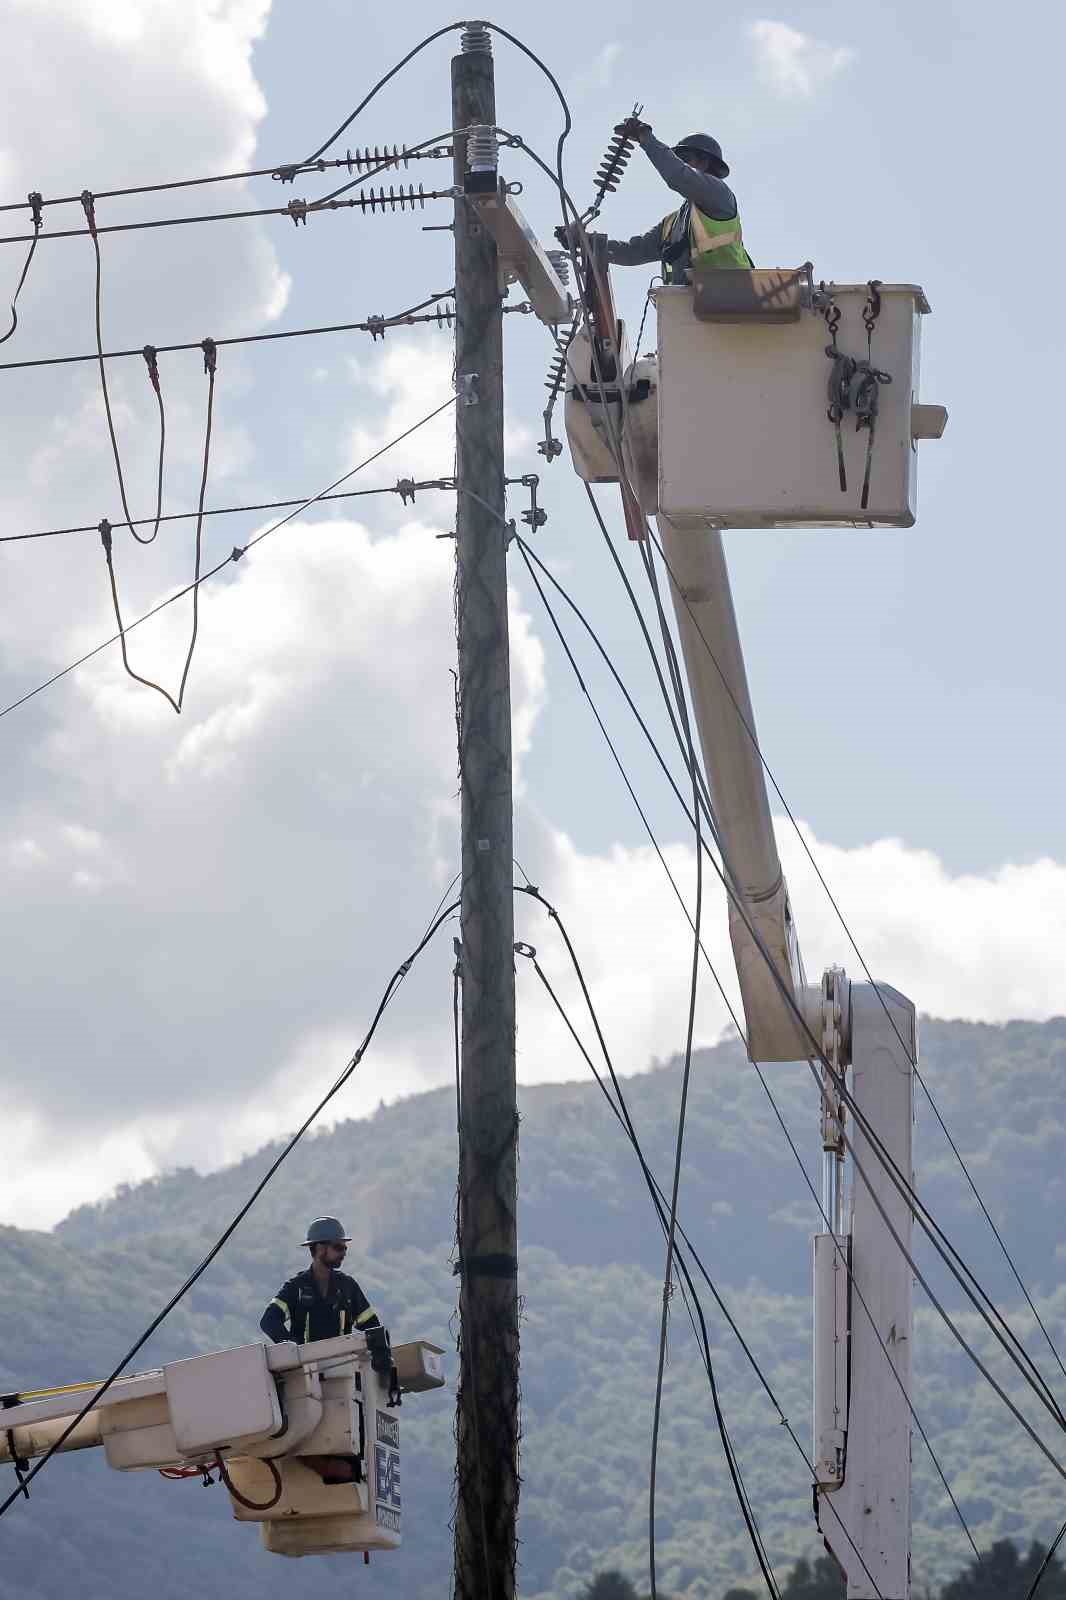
468,395
834,986
536,516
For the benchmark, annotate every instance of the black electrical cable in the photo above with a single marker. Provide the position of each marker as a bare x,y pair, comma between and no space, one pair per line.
750,731
899,1181
235,555
1045,1564
679,691
531,889
92,231
676,1181
450,27
1006,1338
252,1505
106,539
390,989
297,211
667,1213
374,326
283,171
529,555
18,289
151,360
405,487
925,1219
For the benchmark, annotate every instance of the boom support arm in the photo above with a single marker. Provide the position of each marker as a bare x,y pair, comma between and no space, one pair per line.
718,683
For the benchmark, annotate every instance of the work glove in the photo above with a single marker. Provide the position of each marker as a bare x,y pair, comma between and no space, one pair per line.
570,236
633,128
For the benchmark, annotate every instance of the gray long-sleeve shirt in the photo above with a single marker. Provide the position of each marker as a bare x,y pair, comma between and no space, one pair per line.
707,193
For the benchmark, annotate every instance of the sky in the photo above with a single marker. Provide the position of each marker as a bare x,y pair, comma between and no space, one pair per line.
200,913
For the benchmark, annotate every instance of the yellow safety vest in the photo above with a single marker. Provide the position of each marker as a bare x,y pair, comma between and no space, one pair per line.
711,243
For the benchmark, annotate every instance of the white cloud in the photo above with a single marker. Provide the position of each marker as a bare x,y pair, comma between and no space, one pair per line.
110,94
597,76
985,947
793,64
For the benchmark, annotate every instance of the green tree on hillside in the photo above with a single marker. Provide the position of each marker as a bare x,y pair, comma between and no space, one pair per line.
612,1585
820,1582
1004,1574
740,1594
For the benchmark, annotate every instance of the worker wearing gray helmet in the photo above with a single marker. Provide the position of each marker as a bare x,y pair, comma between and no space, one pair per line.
705,231
321,1302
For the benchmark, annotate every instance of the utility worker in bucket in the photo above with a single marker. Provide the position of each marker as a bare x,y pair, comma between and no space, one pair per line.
705,231
321,1303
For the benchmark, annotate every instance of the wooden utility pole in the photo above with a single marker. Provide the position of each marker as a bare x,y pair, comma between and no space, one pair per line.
487,1401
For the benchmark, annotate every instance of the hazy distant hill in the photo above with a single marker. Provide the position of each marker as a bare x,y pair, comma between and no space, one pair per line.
590,1278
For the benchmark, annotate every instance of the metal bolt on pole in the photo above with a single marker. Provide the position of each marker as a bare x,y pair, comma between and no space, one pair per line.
487,1400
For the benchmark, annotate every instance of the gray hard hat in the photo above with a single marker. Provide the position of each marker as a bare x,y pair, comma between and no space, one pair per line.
706,147
326,1230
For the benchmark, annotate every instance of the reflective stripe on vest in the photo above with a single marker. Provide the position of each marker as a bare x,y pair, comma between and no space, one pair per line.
711,238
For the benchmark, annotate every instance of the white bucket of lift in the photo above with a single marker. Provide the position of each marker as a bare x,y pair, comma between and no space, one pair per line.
744,438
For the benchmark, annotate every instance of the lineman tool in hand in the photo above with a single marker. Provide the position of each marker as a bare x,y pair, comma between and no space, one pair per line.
705,231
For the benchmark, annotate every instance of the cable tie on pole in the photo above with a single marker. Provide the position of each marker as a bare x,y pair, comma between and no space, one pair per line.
210,350
104,530
151,356
88,205
521,949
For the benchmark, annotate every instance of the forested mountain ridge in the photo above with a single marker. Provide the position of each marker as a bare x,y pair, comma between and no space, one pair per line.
591,1285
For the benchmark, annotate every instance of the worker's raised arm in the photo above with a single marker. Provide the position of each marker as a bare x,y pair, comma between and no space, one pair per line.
710,194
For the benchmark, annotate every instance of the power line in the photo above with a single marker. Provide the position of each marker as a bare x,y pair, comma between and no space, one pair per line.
676,1180
450,27
18,287
530,556
234,556
406,488
105,535
284,172
1006,1338
297,211
667,1213
390,989
750,731
375,326
1045,1564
